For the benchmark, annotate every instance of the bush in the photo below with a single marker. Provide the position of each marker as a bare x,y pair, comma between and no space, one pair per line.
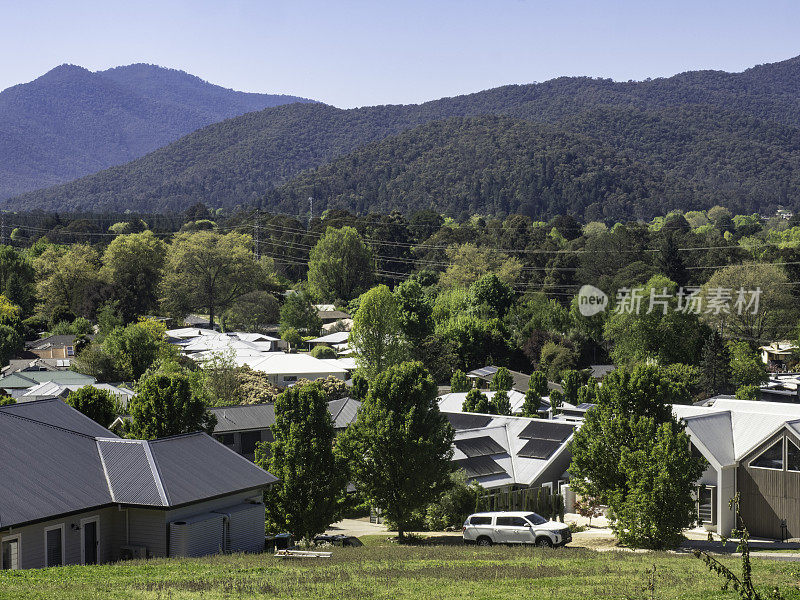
747,392
323,351
455,505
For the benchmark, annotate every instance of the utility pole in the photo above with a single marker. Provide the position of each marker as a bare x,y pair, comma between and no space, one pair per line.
256,240
310,211
3,228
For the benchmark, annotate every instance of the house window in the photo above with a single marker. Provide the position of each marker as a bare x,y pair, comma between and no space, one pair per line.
705,504
70,350
225,438
792,456
771,458
249,441
290,379
9,553
54,546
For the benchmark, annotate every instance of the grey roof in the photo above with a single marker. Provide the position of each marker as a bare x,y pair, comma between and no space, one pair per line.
522,382
194,467
250,417
480,466
343,412
53,411
54,341
53,470
26,379
467,420
480,446
245,417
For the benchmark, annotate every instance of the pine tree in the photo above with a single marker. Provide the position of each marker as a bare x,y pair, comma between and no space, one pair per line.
715,368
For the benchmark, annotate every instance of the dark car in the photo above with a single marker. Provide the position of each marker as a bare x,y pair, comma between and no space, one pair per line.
348,541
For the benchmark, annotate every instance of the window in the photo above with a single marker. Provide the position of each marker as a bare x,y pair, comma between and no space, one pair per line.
54,546
249,441
536,519
480,521
705,504
512,521
225,438
9,553
771,458
792,456
289,378
70,350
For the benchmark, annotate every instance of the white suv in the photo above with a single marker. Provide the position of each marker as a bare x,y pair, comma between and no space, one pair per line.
487,528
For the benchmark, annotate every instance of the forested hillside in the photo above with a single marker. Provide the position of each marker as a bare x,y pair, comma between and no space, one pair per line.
693,140
70,121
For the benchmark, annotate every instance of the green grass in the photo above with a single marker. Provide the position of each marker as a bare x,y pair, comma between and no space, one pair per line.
385,570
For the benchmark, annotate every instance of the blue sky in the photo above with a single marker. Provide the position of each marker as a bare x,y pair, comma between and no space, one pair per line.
353,53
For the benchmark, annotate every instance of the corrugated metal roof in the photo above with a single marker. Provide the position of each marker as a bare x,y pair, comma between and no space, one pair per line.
26,379
49,470
130,474
247,417
343,412
53,411
479,446
195,467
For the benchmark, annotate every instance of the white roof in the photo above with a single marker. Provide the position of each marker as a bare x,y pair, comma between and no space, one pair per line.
730,429
190,332
454,401
505,430
280,363
340,337
346,363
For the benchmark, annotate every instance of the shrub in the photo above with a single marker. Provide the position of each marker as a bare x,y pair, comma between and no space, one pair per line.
323,351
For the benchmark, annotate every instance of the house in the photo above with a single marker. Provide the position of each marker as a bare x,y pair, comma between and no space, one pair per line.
777,354
242,427
16,384
91,497
334,340
329,315
752,448
50,389
483,376
34,363
600,371
286,369
516,452
54,346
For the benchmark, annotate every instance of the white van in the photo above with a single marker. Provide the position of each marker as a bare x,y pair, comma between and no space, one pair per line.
515,527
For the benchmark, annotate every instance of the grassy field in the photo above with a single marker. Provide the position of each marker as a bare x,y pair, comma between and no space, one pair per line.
384,570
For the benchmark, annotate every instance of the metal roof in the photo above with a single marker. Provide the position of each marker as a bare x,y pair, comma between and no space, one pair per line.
454,401
26,379
244,418
343,412
461,420
50,470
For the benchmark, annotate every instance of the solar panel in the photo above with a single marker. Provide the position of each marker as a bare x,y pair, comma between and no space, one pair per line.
480,446
461,421
542,449
483,372
480,466
546,430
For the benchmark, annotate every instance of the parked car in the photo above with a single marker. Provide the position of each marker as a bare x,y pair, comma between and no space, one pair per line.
348,541
519,527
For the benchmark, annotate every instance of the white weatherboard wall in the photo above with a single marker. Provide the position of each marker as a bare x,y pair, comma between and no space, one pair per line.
196,536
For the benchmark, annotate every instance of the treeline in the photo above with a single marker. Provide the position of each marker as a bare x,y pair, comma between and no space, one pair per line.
700,139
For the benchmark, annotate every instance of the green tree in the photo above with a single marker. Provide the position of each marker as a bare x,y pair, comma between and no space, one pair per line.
299,313
663,334
310,477
340,266
476,401
68,278
415,309
747,319
132,266
501,403
400,447
10,343
252,312
491,294
220,379
746,366
17,279
661,474
97,404
164,405
501,380
715,368
748,392
133,349
459,382
376,336
469,263
530,407
208,271
291,336
557,358
538,383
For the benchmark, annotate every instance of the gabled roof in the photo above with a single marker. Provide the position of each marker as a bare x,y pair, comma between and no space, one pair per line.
454,401
507,450
53,470
340,337
343,412
53,341
730,429
521,380
26,379
281,363
253,417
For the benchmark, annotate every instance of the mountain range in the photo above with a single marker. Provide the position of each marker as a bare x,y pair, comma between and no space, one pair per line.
594,148
72,122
